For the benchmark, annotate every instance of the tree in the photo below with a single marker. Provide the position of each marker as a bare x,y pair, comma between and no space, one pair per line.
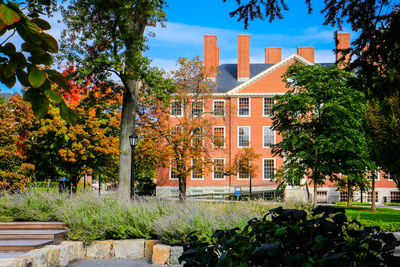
91,145
320,119
182,125
16,121
107,37
375,52
32,72
350,183
244,162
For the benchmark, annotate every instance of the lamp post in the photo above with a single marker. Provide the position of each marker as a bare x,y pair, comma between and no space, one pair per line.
133,141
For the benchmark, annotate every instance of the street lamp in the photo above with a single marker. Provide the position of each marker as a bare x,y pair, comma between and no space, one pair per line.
133,141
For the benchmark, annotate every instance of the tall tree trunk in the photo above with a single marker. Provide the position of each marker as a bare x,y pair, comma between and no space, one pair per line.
373,206
182,188
127,128
350,194
308,192
133,44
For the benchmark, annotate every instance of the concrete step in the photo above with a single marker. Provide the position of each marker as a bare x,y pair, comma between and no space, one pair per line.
32,226
56,235
15,246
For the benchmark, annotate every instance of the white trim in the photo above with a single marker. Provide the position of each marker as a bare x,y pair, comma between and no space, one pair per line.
263,137
255,94
191,108
238,136
221,100
238,107
269,70
219,179
274,102
176,116
263,168
170,171
224,137
191,174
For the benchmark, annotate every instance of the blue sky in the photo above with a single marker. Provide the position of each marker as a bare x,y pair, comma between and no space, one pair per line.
188,21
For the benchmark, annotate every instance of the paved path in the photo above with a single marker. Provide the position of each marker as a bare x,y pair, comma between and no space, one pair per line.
115,263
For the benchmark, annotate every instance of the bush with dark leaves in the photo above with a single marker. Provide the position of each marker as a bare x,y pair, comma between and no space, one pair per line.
288,237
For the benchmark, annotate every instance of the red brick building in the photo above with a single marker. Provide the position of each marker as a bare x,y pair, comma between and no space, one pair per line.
246,90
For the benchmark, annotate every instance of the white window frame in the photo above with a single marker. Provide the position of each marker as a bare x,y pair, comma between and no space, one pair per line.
202,137
263,168
170,171
214,136
219,100
238,143
196,179
172,115
390,179
238,104
191,107
273,103
213,168
274,134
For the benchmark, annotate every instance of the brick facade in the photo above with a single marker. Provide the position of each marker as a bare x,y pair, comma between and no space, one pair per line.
253,84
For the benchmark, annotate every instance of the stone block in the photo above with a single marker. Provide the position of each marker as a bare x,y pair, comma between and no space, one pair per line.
161,254
148,247
76,250
131,248
100,249
36,258
176,252
53,254
13,262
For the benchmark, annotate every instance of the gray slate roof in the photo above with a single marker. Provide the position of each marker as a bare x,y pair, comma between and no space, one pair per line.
227,75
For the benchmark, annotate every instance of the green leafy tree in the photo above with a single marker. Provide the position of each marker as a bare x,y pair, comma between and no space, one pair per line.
30,64
320,119
375,54
107,37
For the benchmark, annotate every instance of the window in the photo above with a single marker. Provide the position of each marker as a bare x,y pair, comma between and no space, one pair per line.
244,136
219,137
197,137
244,106
395,196
176,108
197,108
219,169
389,177
219,108
197,169
269,136
268,104
173,170
243,173
344,197
269,167
369,198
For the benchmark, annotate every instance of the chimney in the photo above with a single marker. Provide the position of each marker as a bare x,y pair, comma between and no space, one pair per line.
307,53
211,55
243,67
273,55
342,42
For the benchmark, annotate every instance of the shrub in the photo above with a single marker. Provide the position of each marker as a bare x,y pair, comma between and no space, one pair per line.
286,237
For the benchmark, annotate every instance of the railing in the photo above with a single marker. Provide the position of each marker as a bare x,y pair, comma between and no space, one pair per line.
271,195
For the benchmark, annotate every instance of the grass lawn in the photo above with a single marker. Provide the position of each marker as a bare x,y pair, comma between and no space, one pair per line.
387,219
